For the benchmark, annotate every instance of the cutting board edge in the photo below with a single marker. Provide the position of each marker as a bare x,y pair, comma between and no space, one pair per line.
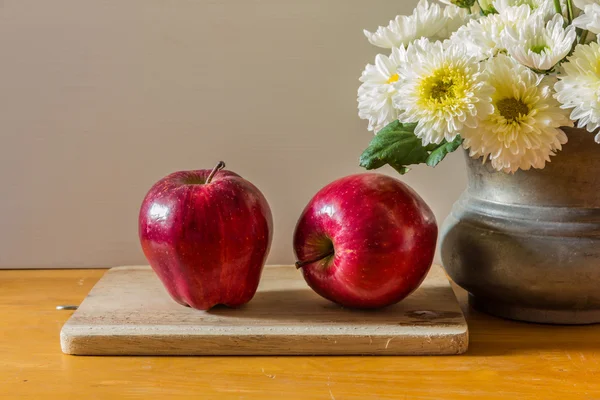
169,345
75,329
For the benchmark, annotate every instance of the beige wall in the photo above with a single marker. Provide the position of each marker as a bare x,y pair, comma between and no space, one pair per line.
99,99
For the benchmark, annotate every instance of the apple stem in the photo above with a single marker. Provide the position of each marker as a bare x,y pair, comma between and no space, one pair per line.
220,165
300,264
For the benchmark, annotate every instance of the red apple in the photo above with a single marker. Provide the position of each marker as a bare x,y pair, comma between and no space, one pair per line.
207,235
365,241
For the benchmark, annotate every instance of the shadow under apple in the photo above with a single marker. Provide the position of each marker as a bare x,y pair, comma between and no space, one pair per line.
304,305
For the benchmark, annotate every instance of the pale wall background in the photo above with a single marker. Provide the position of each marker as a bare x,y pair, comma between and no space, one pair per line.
99,99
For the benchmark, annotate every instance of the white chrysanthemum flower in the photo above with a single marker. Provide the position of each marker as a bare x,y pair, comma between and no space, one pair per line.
544,8
538,45
483,37
590,19
579,87
427,20
440,89
375,93
524,129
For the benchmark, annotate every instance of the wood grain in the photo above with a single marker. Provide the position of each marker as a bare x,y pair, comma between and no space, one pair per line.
129,313
505,360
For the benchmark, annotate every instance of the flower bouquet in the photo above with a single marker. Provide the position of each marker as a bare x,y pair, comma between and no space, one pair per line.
499,78
510,81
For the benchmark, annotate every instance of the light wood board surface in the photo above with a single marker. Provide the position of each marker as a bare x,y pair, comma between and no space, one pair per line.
505,360
130,313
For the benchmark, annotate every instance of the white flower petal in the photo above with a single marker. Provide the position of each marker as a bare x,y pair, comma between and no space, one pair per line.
428,20
542,8
378,87
579,86
483,37
440,90
538,45
590,19
523,130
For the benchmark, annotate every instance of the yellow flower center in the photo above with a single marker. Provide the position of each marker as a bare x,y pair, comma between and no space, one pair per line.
393,78
441,89
445,87
512,109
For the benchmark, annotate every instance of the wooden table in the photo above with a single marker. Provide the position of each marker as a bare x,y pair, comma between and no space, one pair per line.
506,360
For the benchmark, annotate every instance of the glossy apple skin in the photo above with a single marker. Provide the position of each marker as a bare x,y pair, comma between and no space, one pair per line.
206,242
383,235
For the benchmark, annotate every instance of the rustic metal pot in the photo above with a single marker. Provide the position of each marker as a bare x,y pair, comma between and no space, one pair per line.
527,246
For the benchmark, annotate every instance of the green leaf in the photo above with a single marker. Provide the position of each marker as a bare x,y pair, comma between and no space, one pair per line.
396,145
443,150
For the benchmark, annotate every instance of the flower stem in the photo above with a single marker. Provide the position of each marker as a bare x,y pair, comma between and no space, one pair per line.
570,10
470,10
557,6
220,165
583,38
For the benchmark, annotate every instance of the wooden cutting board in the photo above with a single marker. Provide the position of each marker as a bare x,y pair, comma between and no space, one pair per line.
129,312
